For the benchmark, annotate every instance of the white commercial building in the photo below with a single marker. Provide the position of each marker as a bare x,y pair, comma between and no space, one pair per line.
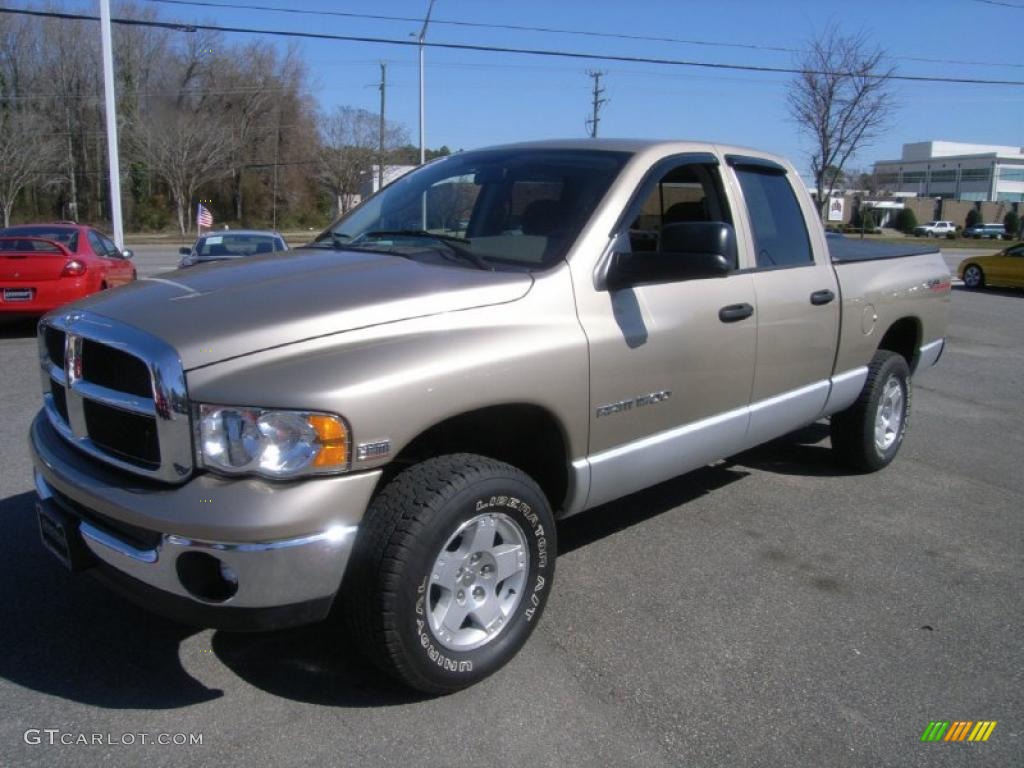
950,169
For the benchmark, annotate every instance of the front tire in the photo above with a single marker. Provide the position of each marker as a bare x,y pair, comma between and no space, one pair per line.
868,435
974,277
451,571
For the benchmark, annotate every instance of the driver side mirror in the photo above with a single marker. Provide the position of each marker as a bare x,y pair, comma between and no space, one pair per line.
689,250
127,253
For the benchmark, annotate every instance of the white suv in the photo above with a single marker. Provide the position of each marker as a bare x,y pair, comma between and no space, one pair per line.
935,229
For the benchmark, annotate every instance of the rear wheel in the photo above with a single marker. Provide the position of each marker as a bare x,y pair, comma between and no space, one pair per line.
868,435
451,571
974,277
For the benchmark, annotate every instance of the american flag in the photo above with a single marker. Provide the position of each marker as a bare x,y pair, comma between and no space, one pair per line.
203,217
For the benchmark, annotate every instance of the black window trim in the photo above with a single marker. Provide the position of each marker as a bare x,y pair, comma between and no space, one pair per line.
758,163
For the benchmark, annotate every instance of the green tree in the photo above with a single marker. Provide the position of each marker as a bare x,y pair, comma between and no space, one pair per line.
973,218
906,220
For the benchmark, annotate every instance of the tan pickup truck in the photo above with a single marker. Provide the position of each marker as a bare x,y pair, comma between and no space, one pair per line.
384,426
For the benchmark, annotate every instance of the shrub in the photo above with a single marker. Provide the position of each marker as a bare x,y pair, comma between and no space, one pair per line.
973,218
1011,221
906,220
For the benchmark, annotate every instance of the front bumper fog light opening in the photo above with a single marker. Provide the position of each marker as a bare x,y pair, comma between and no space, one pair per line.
206,577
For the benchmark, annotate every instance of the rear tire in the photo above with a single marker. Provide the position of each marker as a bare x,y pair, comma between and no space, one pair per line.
452,568
868,435
974,277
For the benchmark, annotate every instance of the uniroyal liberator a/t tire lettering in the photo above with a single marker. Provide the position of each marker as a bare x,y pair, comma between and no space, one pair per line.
868,435
452,568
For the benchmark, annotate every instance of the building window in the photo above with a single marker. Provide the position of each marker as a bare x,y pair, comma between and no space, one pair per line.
887,178
914,177
940,176
976,174
1011,174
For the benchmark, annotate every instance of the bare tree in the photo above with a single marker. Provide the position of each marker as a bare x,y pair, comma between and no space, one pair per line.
349,144
186,148
26,152
842,100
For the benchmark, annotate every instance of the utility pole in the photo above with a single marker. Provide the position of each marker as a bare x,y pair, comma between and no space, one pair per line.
598,101
108,92
380,153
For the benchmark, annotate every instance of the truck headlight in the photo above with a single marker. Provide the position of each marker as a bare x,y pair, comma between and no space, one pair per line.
273,443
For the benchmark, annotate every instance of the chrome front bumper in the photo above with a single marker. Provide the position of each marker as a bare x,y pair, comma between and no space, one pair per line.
268,574
260,531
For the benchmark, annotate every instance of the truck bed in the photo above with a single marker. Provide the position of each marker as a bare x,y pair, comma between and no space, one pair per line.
847,249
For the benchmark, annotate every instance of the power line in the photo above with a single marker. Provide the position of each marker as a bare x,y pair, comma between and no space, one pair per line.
559,31
1004,5
180,27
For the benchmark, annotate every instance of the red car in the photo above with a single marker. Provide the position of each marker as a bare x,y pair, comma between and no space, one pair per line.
43,266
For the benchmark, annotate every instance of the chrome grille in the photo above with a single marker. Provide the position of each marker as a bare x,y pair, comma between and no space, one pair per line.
116,393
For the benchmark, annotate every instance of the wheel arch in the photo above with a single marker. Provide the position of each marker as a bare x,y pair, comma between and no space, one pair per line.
904,338
525,435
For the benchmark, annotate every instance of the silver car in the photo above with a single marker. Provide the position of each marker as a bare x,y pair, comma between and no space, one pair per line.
231,244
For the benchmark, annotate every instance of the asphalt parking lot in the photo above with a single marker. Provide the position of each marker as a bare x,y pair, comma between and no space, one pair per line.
770,610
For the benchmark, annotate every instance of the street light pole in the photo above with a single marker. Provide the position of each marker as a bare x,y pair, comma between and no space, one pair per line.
422,37
108,92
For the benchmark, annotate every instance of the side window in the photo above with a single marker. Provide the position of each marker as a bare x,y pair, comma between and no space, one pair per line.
112,250
779,229
97,245
686,193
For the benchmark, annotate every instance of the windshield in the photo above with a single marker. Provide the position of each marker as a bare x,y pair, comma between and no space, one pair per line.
512,207
66,236
234,246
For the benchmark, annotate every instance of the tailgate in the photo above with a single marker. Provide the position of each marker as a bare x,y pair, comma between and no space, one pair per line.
30,260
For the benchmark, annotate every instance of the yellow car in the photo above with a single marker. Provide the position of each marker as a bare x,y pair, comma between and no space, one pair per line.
1005,268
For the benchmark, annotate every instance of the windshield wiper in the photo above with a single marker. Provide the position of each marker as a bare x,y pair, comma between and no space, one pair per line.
453,243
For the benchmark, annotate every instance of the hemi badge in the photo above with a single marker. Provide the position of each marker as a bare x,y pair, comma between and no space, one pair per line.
370,451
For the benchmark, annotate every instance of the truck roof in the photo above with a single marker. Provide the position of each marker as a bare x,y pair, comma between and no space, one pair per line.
638,145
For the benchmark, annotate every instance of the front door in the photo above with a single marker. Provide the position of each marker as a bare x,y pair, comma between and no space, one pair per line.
670,378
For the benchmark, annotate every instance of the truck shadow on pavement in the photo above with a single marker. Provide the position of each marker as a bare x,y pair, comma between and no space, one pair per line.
806,453
18,328
68,636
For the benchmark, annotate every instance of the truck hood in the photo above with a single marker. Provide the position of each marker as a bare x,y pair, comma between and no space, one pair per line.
217,311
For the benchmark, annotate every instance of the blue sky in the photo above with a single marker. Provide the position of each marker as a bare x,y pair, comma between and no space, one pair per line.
475,99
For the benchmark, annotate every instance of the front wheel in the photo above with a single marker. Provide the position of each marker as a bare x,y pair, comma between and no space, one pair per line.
974,278
451,571
868,435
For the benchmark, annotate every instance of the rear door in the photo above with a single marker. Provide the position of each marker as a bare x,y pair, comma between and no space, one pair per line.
121,266
111,258
797,300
